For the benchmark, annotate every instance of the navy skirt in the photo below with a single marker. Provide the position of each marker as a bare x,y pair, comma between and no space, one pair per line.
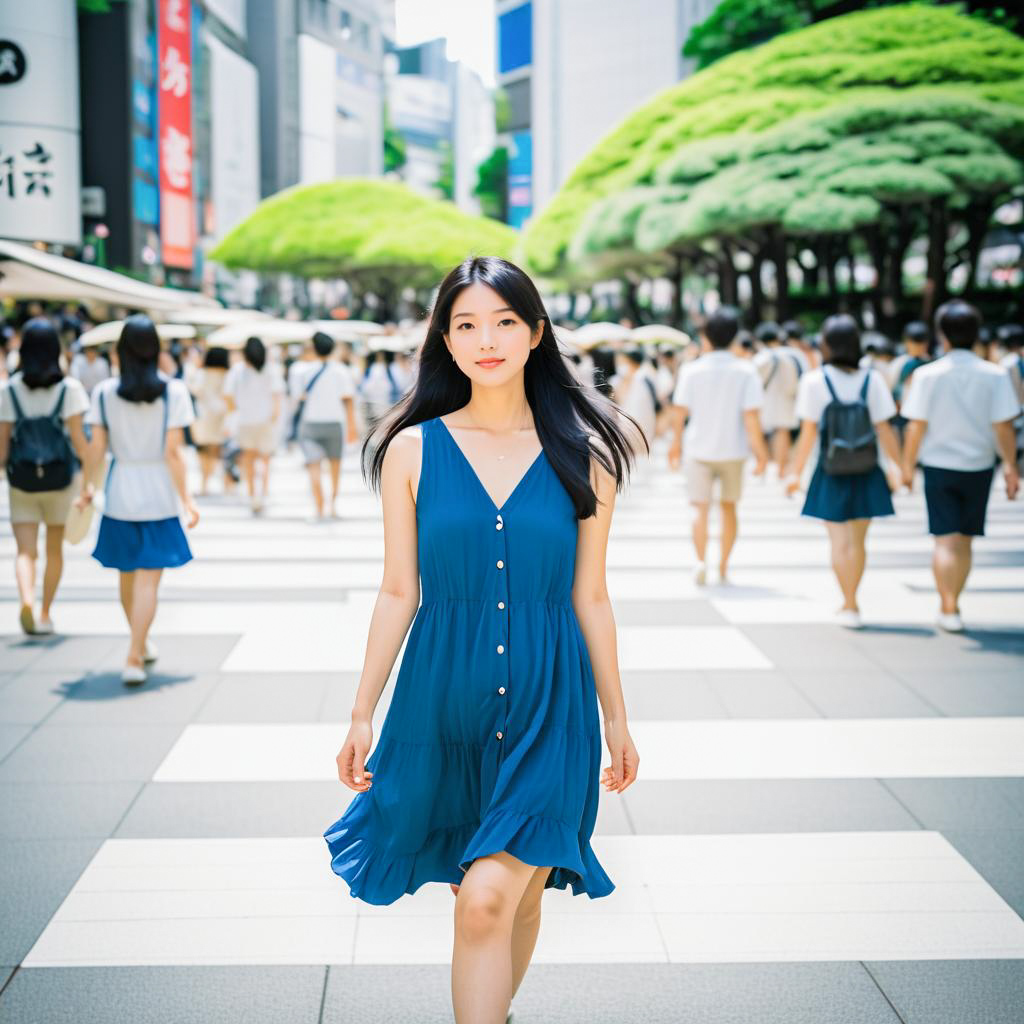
128,545
841,498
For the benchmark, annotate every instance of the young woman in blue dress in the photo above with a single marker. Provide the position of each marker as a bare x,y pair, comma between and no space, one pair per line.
492,384
847,503
141,415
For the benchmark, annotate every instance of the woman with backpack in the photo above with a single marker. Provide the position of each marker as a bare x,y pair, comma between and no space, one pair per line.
39,408
141,416
847,409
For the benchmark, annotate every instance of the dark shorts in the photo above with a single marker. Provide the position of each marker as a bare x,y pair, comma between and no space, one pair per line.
957,500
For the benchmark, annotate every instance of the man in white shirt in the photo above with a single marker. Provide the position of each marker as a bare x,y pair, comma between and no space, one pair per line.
1011,338
960,411
781,366
722,396
325,390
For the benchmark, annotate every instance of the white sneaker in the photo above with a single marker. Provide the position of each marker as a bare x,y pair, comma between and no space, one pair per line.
848,618
151,653
700,574
950,622
44,627
133,675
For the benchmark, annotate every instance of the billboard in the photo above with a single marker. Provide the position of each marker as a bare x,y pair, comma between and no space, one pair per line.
174,143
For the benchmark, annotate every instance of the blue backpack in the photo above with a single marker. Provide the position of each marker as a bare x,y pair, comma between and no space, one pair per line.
40,456
848,439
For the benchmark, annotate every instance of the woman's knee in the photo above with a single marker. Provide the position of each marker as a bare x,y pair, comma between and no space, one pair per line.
481,911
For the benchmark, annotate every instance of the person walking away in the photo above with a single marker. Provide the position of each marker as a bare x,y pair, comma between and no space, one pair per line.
41,432
781,365
917,346
634,393
253,392
90,367
846,408
324,389
379,387
961,412
140,416
722,396
209,431
1011,340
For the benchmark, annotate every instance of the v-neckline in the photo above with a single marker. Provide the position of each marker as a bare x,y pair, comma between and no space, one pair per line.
476,476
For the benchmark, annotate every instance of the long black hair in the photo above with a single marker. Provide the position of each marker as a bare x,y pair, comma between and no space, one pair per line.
138,350
255,353
564,410
840,338
39,355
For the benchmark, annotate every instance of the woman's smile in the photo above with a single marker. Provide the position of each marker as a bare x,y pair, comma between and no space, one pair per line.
488,364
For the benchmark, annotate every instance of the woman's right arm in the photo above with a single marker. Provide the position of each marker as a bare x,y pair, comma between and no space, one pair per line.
397,601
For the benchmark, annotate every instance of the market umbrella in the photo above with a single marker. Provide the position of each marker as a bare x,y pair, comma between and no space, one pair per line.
104,334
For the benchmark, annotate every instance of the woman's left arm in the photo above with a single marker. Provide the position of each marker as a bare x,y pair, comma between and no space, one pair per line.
597,623
174,453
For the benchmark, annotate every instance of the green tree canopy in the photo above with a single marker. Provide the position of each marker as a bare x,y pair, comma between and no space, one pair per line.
367,231
853,62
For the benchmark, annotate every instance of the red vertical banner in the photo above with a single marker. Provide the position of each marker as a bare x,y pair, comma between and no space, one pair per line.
174,120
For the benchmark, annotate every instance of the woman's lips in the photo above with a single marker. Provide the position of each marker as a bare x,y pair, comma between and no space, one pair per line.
489,364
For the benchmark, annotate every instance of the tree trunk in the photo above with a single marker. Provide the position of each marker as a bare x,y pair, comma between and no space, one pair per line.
632,304
874,237
727,276
977,218
935,277
756,287
676,278
827,248
779,256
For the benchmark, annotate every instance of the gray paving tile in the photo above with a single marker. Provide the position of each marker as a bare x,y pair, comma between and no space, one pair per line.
18,651
863,694
803,647
267,697
166,696
760,695
93,753
341,695
79,653
953,991
11,736
5,974
668,613
661,695
977,692
974,651
957,803
44,810
164,995
774,805
997,855
814,993
37,876
30,696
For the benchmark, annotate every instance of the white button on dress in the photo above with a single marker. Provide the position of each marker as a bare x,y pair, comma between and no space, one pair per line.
501,564
501,689
501,648
499,735
501,604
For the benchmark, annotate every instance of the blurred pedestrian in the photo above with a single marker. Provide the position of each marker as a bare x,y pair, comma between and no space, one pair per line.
379,387
846,408
41,431
325,390
209,431
780,366
253,390
721,395
961,411
90,367
917,346
634,391
140,416
1011,341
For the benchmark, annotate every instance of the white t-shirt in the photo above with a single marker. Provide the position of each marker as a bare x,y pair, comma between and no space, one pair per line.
40,401
90,373
718,388
813,394
781,378
253,391
960,396
139,484
323,403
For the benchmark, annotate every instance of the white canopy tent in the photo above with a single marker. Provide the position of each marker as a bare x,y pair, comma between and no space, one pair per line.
29,273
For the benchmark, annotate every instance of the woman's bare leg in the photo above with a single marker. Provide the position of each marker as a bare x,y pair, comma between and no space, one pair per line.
485,913
143,611
126,585
26,536
848,556
54,567
526,926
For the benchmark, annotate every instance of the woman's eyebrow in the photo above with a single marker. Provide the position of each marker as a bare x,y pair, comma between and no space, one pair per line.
504,309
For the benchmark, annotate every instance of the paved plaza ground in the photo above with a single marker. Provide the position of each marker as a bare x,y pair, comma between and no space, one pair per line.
828,827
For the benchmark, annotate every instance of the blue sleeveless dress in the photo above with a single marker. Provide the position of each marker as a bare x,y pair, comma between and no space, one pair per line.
492,740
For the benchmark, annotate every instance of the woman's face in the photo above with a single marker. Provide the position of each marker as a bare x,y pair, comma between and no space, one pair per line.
490,342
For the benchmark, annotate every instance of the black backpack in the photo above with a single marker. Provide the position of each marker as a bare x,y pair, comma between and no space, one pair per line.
40,456
848,440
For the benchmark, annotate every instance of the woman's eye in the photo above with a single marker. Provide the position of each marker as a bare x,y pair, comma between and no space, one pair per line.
507,320
459,328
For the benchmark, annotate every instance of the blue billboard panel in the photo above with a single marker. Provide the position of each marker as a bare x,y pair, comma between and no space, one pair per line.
515,38
520,179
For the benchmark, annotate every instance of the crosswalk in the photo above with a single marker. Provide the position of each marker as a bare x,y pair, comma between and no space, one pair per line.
797,781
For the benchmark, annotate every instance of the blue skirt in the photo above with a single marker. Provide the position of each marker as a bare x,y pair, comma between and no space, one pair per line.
841,498
128,545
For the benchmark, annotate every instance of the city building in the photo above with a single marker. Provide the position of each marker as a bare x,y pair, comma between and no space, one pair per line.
570,71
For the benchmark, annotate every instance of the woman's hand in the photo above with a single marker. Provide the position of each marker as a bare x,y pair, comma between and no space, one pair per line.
85,497
621,773
352,757
791,486
191,513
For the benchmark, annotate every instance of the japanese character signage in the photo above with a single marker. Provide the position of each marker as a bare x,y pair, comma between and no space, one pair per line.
174,120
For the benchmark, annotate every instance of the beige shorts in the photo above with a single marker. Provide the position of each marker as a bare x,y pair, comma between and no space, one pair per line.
257,437
700,477
50,507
